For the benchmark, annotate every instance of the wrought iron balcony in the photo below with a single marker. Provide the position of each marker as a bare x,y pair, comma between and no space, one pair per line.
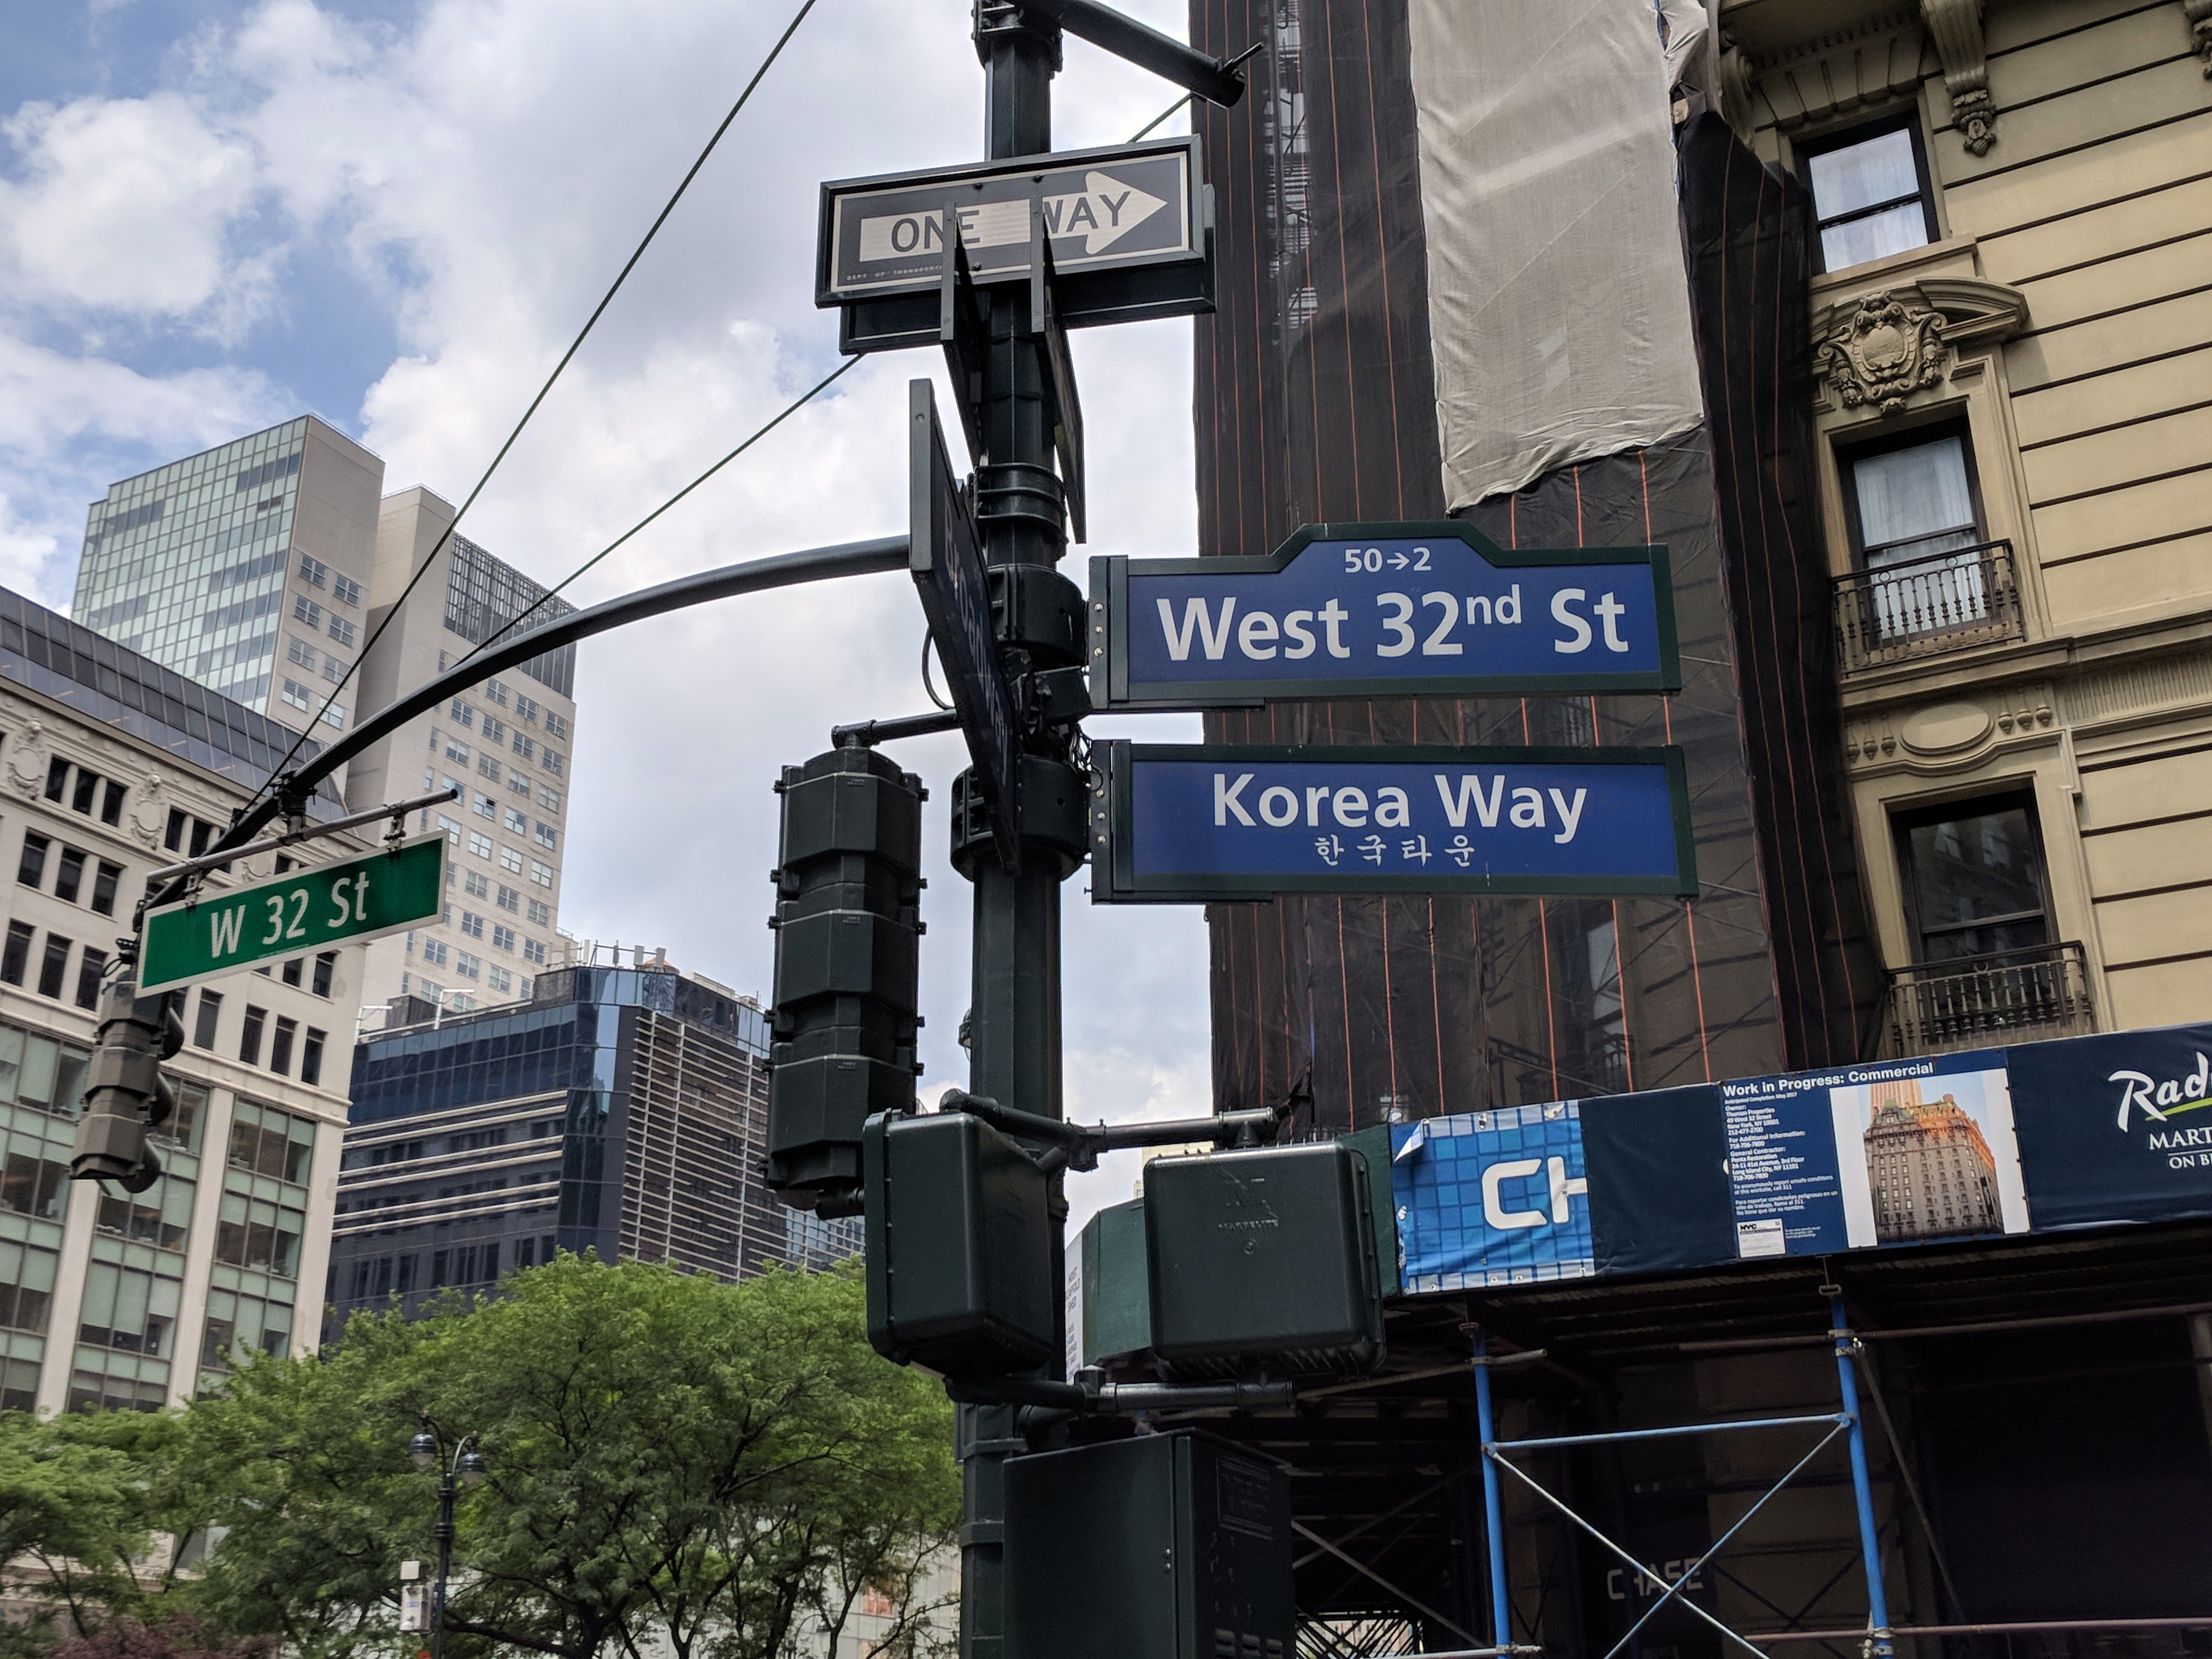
1908,608
1978,1002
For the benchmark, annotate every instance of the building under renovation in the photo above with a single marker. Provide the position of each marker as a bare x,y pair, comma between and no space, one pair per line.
1891,321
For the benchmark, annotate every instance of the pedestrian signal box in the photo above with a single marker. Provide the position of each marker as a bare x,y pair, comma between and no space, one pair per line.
1264,1258
959,1250
1167,1545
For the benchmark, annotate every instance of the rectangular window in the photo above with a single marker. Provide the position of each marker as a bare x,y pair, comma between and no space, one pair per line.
1974,877
541,873
31,870
295,970
314,572
308,611
87,786
541,914
549,798
502,939
106,881
466,965
526,747
1916,519
456,750
279,1045
472,924
434,952
69,875
305,655
298,695
57,778
89,971
1870,192
462,713
172,838
498,978
494,730
483,805
111,803
249,1039
478,884
516,821
552,761
525,708
345,590
481,846
311,1055
509,899
15,955
495,692
517,784
334,671
488,766
54,966
555,725
546,835
452,829
510,861
533,951
342,631
210,1013
326,966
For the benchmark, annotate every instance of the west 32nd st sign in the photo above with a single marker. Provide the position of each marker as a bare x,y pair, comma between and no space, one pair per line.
1390,610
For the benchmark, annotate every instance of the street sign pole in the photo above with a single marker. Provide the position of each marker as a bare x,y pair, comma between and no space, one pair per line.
1014,1012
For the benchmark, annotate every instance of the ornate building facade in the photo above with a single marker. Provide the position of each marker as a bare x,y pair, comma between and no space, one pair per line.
1928,1168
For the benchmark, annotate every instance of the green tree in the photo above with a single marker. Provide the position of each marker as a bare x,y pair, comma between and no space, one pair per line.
670,1457
81,1497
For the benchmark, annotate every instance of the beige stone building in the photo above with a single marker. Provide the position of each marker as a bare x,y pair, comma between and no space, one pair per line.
2013,314
111,767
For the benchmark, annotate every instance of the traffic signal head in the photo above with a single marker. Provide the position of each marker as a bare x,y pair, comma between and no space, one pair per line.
125,1094
848,959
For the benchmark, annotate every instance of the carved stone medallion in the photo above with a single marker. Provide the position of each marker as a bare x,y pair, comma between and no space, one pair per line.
1883,352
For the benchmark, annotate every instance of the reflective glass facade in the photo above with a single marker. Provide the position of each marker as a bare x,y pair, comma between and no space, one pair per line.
186,563
623,1111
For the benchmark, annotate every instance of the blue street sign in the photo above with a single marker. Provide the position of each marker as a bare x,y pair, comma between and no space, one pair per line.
955,595
1380,609
1193,823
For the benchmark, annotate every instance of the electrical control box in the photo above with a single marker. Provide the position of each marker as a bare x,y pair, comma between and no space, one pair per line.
1165,1546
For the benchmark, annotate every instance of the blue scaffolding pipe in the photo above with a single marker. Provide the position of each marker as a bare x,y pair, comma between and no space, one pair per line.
1861,1486
1493,1502
1846,1422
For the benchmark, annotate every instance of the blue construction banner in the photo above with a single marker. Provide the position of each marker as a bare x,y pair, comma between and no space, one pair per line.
2111,1128
2082,1132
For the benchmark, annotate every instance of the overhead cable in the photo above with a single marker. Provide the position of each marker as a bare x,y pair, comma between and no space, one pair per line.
575,345
551,593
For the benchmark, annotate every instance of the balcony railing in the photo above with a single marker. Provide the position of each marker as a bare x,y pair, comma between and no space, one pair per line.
1978,1002
1932,601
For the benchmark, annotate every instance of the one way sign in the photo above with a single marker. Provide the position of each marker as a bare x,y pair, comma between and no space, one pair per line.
1105,211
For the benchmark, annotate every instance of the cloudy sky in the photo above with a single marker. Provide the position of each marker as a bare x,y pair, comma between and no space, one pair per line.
396,213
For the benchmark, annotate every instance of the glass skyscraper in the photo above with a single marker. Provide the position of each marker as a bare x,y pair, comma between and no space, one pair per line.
245,567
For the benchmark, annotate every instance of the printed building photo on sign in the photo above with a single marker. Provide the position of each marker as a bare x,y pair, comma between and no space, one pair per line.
1941,1159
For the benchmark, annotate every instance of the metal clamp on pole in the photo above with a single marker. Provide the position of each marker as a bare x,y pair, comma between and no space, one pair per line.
866,734
1082,1143
396,811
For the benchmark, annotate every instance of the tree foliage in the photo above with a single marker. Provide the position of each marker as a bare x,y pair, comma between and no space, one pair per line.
674,1463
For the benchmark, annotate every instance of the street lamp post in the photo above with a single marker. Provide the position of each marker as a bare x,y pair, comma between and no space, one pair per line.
463,1467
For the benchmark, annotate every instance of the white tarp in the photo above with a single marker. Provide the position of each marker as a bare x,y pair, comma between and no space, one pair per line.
1558,307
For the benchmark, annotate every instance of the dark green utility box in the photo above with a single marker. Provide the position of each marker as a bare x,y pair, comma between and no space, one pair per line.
1166,1547
1264,1257
959,1251
1116,1301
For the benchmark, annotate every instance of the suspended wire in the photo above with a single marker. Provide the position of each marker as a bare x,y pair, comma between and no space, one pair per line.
575,345
1247,53
791,409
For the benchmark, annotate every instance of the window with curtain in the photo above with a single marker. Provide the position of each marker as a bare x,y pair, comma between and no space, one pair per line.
1870,192
1919,532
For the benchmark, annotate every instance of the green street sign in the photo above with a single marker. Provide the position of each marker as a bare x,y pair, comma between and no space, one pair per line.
298,912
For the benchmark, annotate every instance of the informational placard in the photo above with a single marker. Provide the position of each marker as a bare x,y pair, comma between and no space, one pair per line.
947,565
296,913
1381,609
1185,823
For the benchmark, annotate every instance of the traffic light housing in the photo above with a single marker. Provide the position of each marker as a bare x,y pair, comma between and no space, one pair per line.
125,1096
847,963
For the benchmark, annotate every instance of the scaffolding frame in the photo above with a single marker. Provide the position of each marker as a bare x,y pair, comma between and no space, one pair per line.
1847,1423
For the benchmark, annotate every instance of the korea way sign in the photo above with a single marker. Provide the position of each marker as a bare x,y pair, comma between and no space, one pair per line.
1380,609
1111,216
1189,823
296,914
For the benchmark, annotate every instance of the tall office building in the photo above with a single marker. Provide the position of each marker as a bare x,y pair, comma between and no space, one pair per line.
622,1110
112,766
505,744
245,567
261,569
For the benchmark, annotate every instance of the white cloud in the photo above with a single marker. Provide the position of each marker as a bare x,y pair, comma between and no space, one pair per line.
124,205
486,166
